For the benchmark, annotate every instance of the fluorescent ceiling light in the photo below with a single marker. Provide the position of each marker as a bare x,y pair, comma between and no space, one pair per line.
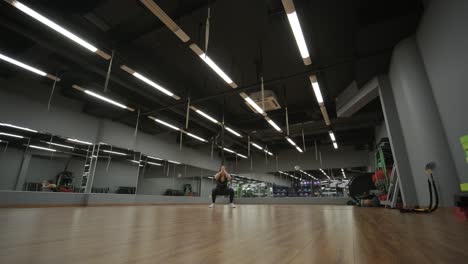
253,104
42,148
197,137
149,82
175,162
164,123
154,163
216,68
316,88
326,118
151,157
59,145
18,127
332,136
335,145
58,28
256,145
194,47
115,152
232,131
297,30
273,124
22,65
229,150
291,141
10,135
102,98
268,152
205,115
299,149
242,156
135,161
79,141
342,170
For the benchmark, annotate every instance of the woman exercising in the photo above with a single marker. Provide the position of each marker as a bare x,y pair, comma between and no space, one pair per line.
222,178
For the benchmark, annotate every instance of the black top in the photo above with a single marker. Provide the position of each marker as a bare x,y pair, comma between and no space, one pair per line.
222,184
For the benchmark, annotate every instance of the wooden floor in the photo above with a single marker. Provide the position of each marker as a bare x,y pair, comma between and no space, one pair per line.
247,234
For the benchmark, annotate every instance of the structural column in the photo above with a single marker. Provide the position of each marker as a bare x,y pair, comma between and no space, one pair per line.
421,127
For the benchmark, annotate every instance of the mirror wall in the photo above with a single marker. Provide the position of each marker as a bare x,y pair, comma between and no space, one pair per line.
41,162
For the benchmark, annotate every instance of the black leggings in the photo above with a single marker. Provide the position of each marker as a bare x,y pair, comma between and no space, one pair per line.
222,191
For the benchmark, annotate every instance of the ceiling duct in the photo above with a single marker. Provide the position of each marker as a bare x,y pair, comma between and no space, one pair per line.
271,100
353,99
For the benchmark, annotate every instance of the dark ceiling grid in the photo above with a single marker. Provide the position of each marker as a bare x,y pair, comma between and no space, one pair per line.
332,87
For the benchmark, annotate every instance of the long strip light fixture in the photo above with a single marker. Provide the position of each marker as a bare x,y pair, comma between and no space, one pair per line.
58,145
149,82
322,171
273,124
294,144
174,162
233,152
18,127
176,128
79,141
59,29
195,48
297,30
42,148
287,174
102,98
10,135
343,172
333,138
308,174
212,119
115,152
27,67
260,148
154,163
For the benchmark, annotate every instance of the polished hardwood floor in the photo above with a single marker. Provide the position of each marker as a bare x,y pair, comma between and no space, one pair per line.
247,234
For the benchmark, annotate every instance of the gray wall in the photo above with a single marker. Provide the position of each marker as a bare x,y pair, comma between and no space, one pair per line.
423,134
66,119
443,40
118,173
380,132
10,164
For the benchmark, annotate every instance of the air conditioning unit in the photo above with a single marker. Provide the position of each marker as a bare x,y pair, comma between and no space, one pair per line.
271,101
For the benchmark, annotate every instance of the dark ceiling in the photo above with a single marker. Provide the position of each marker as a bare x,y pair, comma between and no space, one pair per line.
347,40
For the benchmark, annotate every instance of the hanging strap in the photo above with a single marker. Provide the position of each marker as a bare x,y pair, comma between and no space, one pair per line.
51,94
137,123
109,69
207,31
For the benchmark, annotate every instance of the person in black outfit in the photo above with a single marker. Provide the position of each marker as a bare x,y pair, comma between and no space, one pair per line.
222,178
